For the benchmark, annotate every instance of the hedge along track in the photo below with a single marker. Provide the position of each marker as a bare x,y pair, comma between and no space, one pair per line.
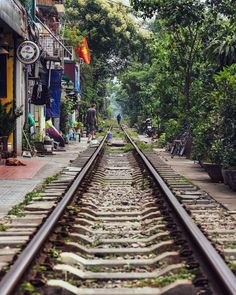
119,237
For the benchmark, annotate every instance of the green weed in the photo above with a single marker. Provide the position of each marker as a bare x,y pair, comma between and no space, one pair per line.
166,280
3,227
51,179
133,134
145,146
231,264
18,210
54,253
28,287
128,147
117,134
40,267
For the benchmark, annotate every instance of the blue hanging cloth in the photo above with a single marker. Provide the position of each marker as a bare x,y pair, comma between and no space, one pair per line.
53,111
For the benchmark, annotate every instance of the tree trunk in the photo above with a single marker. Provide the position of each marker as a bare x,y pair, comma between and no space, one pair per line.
188,81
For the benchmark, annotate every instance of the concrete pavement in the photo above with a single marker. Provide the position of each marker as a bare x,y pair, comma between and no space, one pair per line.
17,181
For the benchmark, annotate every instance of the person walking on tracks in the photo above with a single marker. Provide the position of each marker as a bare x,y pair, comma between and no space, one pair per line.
118,118
91,121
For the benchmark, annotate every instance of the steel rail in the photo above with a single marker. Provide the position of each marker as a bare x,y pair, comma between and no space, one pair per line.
219,267
14,275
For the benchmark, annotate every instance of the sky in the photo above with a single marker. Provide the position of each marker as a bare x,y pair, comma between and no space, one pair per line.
126,2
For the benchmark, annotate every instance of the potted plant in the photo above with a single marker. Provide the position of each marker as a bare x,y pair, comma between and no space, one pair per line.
213,165
8,116
225,93
229,165
202,137
78,126
207,147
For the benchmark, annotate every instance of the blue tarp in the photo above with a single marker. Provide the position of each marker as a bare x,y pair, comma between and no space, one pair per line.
53,111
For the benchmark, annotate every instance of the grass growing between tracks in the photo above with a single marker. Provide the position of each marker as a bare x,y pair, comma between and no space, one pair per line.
50,179
39,267
3,227
231,265
18,210
128,147
163,281
125,149
133,134
54,253
118,134
28,288
145,146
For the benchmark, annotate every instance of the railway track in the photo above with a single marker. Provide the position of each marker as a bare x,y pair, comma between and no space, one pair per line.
215,221
118,229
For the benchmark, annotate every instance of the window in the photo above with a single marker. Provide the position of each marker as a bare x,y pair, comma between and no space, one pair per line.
3,76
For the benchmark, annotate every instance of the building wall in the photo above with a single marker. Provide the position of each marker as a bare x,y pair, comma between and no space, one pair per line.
13,24
10,82
15,92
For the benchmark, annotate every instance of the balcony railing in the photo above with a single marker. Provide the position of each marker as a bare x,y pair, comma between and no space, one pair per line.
51,46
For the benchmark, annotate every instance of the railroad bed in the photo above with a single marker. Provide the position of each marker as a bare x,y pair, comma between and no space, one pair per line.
120,235
214,220
121,241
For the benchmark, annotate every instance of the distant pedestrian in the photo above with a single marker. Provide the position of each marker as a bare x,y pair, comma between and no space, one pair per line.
91,121
118,118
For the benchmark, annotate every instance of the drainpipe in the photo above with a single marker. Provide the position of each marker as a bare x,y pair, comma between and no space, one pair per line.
14,93
26,93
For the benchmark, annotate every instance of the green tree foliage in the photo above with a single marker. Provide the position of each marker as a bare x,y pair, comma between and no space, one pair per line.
112,34
183,20
113,38
223,47
135,82
222,7
192,40
190,76
225,98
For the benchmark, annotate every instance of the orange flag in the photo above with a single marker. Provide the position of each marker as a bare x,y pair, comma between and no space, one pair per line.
83,51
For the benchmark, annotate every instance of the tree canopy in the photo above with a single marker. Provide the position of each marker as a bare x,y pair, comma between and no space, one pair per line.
114,41
174,73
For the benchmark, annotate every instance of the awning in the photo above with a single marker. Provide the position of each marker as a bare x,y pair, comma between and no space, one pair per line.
14,15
